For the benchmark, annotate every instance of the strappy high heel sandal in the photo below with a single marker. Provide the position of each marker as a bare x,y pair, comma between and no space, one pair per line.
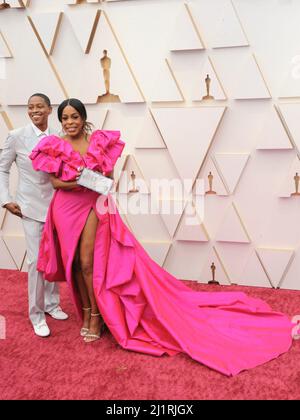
85,331
91,338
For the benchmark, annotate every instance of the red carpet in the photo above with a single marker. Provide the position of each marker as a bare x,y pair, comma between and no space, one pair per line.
64,367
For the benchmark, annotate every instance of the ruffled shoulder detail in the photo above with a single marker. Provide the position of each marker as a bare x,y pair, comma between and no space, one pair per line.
105,149
49,155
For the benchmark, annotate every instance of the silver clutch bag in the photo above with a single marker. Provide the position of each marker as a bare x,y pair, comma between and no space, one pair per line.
95,181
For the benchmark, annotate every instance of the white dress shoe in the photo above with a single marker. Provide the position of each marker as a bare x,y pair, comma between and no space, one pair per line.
42,330
58,314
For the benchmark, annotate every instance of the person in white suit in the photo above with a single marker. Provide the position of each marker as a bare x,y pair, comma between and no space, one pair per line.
33,197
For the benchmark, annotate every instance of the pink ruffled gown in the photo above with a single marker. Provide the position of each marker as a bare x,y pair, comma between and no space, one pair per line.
147,309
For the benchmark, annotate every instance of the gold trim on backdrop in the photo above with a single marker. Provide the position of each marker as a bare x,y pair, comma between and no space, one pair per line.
105,118
7,121
221,173
240,22
23,262
277,110
265,270
195,25
262,75
158,129
287,268
124,55
175,80
210,145
3,241
93,32
241,221
290,136
218,78
56,33
7,247
48,58
222,264
7,46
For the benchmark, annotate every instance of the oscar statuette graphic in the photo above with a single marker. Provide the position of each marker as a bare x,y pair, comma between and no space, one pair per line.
210,181
4,5
213,271
106,67
297,180
208,95
133,178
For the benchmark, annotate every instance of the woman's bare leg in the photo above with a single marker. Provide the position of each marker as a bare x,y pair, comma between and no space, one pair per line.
86,249
83,292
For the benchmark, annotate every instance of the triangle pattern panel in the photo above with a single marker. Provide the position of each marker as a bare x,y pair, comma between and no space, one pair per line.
18,4
98,35
188,134
252,84
276,263
157,250
5,51
47,26
218,186
166,87
232,228
24,268
273,135
216,89
165,181
234,257
253,273
231,166
147,225
191,228
84,24
185,35
2,216
193,255
241,74
5,126
150,137
17,248
12,225
289,184
171,212
292,279
6,260
291,117
220,23
127,182
221,274
19,67
119,167
97,116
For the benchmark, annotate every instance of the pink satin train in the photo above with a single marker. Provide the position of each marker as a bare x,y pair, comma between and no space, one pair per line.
146,308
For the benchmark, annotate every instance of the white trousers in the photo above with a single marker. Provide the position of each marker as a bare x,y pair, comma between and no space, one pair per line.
43,296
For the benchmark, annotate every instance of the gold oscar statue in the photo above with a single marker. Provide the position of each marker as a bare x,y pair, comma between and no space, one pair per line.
106,66
4,5
213,271
210,181
297,180
133,189
208,95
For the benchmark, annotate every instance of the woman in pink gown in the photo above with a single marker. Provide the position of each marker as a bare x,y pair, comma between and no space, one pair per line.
109,273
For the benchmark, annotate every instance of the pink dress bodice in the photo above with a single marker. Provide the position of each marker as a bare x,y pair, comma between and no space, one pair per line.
57,156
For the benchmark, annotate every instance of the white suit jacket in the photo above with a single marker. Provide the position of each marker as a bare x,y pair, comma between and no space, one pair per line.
35,190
